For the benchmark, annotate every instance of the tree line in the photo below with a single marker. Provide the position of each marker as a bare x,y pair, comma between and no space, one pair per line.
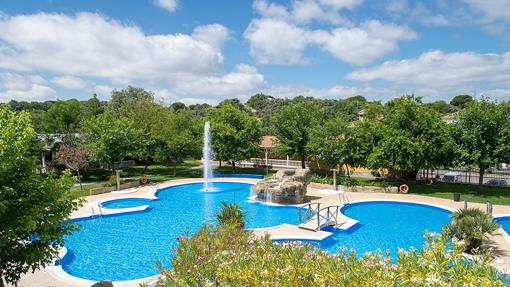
400,136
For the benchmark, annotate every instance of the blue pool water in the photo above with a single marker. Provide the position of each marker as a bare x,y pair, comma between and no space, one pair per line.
504,222
385,226
125,247
126,203
239,175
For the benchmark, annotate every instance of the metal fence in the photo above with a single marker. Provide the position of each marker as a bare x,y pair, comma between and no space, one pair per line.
273,163
499,177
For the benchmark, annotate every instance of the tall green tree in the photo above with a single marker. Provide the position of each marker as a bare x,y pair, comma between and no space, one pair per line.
110,139
140,107
461,101
412,136
33,209
63,117
177,137
235,134
482,133
292,124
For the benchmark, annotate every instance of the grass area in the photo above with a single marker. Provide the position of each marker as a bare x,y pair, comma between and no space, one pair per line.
136,170
247,170
156,173
496,195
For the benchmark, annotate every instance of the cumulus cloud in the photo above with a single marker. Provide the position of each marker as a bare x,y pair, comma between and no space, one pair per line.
69,82
490,11
305,11
274,41
89,44
24,88
243,82
169,5
340,4
442,69
439,75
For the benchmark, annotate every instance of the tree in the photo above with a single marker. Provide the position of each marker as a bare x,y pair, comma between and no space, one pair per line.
235,134
461,101
74,158
177,106
234,102
111,139
441,107
92,107
260,102
63,117
176,137
33,209
327,142
411,136
482,133
139,106
292,126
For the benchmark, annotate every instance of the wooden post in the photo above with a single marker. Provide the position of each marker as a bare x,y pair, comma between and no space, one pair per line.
118,178
334,180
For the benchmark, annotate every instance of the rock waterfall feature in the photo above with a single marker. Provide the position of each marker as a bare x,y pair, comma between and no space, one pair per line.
286,186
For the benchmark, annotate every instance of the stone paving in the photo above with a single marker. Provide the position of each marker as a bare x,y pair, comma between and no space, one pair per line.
47,278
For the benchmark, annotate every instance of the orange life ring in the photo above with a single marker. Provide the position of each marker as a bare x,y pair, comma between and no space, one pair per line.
404,188
143,179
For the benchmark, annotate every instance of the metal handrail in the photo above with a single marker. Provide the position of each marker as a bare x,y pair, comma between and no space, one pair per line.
310,210
330,215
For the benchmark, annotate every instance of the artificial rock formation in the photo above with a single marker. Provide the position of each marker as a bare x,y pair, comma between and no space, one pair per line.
286,186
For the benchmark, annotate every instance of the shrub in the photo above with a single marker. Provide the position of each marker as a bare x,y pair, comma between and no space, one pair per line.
229,256
231,214
471,226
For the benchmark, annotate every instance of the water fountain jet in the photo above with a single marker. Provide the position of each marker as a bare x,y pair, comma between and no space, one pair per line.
207,157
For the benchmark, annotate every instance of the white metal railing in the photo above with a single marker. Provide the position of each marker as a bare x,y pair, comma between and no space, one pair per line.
275,162
308,211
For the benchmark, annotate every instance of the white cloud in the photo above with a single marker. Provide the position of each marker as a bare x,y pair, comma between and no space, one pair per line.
91,45
213,34
442,69
24,88
169,5
275,41
241,83
305,11
437,75
103,90
69,82
490,11
340,4
366,43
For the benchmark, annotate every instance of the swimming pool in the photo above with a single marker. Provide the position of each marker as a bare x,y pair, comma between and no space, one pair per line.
126,246
504,221
385,225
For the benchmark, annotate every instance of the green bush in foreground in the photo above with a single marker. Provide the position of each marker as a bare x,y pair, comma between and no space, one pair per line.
472,226
231,214
229,256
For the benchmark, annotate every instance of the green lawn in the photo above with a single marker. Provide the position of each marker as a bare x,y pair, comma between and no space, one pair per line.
496,195
156,173
470,193
246,170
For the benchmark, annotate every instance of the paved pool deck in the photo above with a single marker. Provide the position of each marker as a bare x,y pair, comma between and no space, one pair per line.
50,277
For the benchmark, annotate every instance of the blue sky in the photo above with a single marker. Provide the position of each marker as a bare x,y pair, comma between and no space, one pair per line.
205,51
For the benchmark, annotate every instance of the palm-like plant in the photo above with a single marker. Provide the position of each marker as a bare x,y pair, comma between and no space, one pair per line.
472,226
231,214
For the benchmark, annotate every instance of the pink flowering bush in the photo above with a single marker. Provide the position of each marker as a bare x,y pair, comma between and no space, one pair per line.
229,256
